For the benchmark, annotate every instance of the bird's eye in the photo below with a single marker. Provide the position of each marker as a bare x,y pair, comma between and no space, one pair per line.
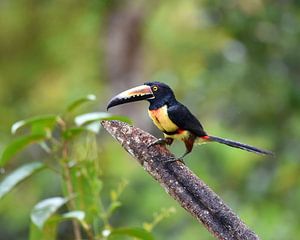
155,88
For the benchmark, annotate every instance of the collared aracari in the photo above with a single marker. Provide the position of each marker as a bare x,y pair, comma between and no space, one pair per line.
173,118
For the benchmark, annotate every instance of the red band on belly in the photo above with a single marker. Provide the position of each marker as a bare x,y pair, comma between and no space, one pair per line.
179,131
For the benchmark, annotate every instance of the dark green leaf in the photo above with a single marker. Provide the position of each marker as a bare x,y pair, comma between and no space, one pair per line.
46,121
139,233
45,209
17,145
19,175
81,101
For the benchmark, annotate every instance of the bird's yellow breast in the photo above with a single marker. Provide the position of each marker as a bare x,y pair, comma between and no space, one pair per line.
161,119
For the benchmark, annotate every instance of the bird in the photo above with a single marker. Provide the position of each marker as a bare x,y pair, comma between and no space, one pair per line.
173,118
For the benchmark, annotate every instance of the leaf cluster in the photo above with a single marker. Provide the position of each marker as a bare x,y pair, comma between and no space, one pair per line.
70,141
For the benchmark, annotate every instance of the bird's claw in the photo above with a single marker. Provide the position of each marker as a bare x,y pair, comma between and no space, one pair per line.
160,141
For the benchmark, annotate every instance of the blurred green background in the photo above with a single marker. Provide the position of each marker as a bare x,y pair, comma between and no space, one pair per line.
234,63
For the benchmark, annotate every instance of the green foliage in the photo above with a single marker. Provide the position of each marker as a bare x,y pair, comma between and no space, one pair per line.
37,124
19,175
89,120
138,233
43,210
48,232
72,143
235,64
80,101
20,143
158,217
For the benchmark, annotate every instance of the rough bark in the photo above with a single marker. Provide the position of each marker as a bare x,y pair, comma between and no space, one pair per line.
180,183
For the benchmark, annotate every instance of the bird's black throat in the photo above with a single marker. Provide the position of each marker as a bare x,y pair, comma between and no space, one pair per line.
158,103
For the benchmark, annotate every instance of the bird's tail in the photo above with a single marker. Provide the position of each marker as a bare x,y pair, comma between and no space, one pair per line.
238,145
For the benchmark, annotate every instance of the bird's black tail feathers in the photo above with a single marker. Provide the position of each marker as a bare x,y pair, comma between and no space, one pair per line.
239,145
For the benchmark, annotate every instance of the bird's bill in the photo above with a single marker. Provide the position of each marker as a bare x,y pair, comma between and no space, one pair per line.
138,93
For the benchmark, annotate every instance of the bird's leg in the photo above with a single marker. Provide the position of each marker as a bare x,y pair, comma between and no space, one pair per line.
161,141
183,155
189,143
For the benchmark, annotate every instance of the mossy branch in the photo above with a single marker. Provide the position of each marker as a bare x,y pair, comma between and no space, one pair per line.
180,183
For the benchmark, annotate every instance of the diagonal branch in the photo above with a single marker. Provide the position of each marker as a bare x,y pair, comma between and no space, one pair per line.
180,183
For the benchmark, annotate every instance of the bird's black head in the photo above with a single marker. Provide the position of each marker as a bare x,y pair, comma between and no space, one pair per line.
163,94
157,93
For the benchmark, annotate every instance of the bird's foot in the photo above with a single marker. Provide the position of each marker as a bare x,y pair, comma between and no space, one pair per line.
167,141
183,155
160,141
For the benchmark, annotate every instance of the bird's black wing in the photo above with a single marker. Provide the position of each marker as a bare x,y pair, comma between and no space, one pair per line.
184,119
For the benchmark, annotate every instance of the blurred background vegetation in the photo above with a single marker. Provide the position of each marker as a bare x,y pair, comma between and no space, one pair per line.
234,63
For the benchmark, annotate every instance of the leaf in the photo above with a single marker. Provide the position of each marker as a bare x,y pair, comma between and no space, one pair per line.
119,117
46,121
48,232
91,121
80,101
79,215
17,145
113,207
73,132
19,175
139,233
87,118
93,127
45,209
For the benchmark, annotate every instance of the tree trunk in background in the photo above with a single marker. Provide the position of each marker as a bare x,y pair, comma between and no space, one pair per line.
124,55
